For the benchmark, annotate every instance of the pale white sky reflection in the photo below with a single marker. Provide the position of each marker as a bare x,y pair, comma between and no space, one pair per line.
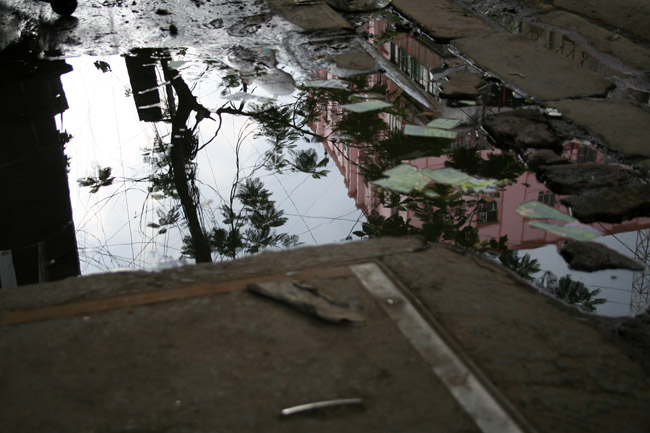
615,285
112,224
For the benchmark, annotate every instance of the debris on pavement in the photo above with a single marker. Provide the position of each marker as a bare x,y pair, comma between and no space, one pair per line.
326,404
307,299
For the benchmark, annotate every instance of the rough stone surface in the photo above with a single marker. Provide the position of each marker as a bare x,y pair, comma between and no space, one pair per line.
357,60
603,40
632,16
443,19
576,366
310,17
461,85
613,204
575,178
521,129
536,158
592,256
532,68
624,127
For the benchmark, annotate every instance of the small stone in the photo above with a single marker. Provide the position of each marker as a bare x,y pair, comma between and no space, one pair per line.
592,256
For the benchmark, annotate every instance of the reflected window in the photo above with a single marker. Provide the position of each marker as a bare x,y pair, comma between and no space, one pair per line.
546,197
586,154
488,212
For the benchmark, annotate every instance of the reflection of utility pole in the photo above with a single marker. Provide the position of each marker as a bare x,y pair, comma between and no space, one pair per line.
641,279
144,83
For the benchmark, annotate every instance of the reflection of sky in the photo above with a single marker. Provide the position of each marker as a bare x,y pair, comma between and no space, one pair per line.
111,225
615,285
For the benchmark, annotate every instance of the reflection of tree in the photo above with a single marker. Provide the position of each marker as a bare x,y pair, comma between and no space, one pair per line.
571,291
251,228
250,218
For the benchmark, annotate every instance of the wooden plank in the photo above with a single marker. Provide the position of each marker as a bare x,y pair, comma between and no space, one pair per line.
132,300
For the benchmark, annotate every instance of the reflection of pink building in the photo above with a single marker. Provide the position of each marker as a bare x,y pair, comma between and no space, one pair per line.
498,216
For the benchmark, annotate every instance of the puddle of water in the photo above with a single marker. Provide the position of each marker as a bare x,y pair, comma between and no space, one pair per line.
210,160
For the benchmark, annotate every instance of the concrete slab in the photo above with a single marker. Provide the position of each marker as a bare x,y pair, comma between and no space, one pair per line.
443,19
559,371
631,16
623,126
190,350
603,40
229,362
532,68
310,17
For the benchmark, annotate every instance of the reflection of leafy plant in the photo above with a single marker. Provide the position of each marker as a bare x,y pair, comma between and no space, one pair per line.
571,291
102,66
103,178
165,219
361,127
251,228
496,166
524,266
380,226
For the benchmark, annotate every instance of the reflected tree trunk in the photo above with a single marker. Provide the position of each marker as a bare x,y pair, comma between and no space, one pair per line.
181,143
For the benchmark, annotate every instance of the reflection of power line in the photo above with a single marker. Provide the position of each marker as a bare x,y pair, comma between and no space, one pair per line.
641,279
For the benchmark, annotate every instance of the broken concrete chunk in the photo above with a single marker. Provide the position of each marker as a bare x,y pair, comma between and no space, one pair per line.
613,204
532,68
624,127
522,129
537,157
356,60
358,5
307,299
592,256
575,178
461,85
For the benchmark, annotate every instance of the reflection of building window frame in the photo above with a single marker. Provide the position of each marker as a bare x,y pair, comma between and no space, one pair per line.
487,213
409,65
586,154
546,197
395,123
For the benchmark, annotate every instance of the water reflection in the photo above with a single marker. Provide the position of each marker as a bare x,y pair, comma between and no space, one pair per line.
204,114
174,158
37,234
